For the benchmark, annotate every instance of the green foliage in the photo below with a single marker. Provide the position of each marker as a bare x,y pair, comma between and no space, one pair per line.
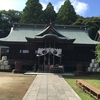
93,80
7,19
49,14
93,23
66,14
97,53
32,13
79,20
12,16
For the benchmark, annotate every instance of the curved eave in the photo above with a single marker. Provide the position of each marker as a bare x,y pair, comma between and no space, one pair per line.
50,38
7,43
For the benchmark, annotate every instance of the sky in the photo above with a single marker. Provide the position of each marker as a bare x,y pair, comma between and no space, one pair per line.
85,8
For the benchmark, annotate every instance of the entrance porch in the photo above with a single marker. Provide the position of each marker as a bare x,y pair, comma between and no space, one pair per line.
49,60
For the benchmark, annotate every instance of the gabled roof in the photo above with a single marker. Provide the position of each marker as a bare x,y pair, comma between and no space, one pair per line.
19,33
50,34
50,30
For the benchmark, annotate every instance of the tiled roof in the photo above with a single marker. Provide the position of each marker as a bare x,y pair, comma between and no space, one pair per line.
19,33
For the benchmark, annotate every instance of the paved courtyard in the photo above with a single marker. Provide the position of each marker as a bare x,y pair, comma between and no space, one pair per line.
50,87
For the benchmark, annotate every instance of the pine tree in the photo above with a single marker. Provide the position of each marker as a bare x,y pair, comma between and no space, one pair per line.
66,14
32,13
49,13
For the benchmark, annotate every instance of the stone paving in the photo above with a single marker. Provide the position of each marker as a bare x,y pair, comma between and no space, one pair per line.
50,87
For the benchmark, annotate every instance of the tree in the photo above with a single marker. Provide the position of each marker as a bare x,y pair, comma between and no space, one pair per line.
13,16
66,14
8,18
93,23
79,20
97,53
49,13
32,13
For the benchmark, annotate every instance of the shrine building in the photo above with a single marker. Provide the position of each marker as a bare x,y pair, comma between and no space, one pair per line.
48,44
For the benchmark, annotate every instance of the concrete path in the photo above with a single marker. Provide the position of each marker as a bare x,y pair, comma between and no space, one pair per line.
50,87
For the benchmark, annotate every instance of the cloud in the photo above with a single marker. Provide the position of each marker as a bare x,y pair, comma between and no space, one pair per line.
80,7
5,7
43,5
58,5
12,4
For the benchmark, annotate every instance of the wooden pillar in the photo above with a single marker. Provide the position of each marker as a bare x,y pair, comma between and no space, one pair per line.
54,55
53,59
60,60
49,59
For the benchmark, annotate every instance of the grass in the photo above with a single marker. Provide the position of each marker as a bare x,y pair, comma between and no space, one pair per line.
93,80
